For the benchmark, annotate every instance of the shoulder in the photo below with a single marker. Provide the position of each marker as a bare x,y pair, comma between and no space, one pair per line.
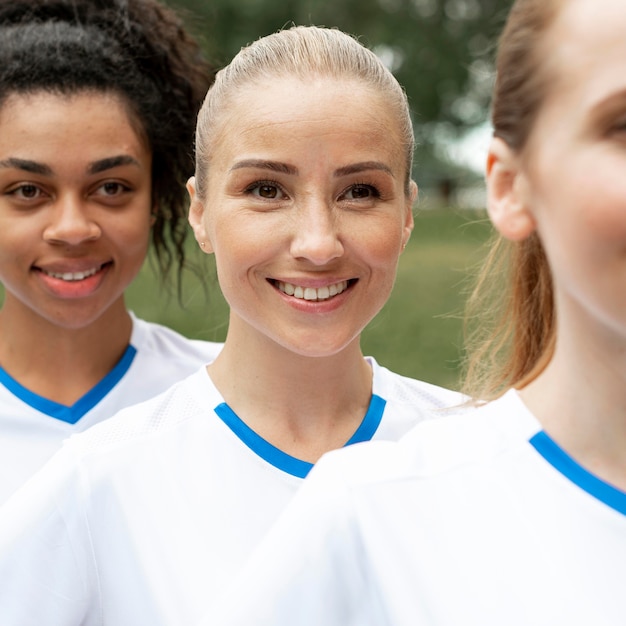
474,435
403,390
157,341
443,445
157,416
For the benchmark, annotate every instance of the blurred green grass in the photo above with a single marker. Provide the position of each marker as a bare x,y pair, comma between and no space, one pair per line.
419,331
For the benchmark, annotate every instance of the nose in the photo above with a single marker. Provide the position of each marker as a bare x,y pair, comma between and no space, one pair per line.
316,235
71,222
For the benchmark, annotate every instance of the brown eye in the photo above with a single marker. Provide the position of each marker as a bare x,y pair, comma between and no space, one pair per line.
27,191
361,192
111,188
268,191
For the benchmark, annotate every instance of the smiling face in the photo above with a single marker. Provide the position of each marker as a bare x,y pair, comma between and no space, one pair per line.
306,211
75,183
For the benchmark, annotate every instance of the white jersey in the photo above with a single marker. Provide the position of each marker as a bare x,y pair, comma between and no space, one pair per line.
472,520
146,517
32,427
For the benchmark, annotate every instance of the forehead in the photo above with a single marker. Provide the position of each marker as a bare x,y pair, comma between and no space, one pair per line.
67,131
89,110
285,111
586,49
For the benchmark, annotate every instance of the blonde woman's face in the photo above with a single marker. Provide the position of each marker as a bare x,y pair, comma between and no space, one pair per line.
574,167
306,212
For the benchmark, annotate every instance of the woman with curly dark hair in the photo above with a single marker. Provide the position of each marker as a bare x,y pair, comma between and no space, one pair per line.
98,100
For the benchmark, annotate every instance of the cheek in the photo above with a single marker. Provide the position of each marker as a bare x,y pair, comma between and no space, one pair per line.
135,226
605,214
239,244
379,243
595,217
130,236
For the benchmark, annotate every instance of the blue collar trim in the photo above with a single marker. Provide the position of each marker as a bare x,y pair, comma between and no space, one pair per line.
71,414
566,465
284,461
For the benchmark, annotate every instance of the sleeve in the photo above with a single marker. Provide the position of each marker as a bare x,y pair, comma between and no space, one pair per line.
310,570
47,571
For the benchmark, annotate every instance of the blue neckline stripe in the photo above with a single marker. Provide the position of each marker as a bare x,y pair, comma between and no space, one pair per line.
284,461
71,414
566,465
370,422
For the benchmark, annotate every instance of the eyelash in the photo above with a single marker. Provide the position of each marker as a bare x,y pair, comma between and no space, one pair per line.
619,127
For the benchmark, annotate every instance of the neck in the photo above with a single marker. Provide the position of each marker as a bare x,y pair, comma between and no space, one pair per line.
303,405
580,400
62,364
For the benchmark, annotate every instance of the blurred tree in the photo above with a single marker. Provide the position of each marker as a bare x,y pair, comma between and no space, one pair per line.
440,50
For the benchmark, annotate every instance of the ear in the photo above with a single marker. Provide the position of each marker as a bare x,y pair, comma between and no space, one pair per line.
507,193
196,215
409,221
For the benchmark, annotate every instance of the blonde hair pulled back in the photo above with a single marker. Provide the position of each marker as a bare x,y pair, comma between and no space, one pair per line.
302,52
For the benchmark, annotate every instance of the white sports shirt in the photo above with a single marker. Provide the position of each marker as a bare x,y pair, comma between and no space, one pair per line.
146,517
472,520
32,427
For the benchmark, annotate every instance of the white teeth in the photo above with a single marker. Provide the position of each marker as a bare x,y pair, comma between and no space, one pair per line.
323,293
311,293
73,275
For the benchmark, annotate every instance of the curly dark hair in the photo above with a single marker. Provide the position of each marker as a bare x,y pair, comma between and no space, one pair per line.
137,49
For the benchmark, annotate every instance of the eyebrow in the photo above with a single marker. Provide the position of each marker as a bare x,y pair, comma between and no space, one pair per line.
109,163
28,166
609,109
274,166
33,167
363,167
284,168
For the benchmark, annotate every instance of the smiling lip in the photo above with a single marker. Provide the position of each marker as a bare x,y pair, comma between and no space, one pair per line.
73,280
312,294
